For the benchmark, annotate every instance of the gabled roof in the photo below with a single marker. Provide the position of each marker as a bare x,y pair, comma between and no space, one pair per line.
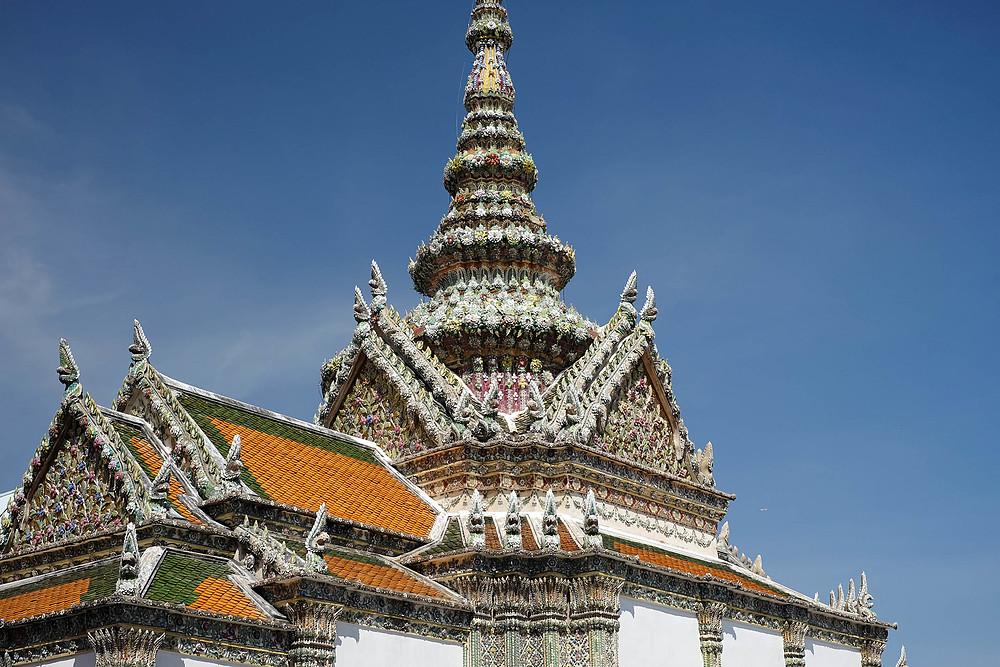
201,583
379,572
302,465
47,593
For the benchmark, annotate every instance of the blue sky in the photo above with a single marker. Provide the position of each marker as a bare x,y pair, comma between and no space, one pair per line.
811,188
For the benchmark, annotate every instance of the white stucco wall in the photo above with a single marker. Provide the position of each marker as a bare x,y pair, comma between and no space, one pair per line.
79,660
749,646
651,634
360,646
825,654
171,659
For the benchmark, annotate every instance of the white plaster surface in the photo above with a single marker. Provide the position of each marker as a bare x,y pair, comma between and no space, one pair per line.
749,646
360,646
825,654
171,659
651,634
79,660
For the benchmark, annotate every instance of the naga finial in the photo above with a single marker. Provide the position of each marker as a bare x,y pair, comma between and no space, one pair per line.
160,488
550,521
512,522
377,283
630,293
706,462
128,571
140,348
316,540
69,372
649,311
591,524
865,600
234,462
477,520
361,312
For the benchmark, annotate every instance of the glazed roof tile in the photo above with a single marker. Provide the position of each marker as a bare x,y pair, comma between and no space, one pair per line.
686,564
200,584
297,464
45,594
566,541
372,570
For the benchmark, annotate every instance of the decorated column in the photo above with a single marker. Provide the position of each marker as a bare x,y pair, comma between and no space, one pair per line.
794,635
594,610
315,639
125,647
710,632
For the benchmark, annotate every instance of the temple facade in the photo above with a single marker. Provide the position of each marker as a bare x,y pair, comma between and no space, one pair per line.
491,480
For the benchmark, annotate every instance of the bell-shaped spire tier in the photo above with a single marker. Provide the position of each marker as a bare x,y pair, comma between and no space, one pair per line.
491,272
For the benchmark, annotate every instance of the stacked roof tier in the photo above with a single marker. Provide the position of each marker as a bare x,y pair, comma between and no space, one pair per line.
492,272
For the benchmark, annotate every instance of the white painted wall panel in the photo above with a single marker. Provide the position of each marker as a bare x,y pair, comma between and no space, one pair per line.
172,659
651,634
360,646
79,660
825,654
750,646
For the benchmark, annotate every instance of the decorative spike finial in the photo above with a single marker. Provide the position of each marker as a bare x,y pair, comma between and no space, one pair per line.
724,537
140,348
234,462
361,312
649,311
69,372
477,520
902,657
128,571
630,293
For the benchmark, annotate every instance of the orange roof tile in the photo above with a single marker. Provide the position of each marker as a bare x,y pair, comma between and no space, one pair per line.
224,597
566,541
378,576
492,537
691,567
34,603
527,536
304,476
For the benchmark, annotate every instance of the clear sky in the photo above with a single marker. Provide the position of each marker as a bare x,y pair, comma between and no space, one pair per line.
810,187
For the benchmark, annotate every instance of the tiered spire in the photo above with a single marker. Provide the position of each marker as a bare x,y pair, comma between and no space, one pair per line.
491,271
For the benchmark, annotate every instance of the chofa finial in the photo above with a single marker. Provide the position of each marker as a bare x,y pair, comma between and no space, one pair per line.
69,372
649,311
361,312
902,657
377,283
630,293
140,347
